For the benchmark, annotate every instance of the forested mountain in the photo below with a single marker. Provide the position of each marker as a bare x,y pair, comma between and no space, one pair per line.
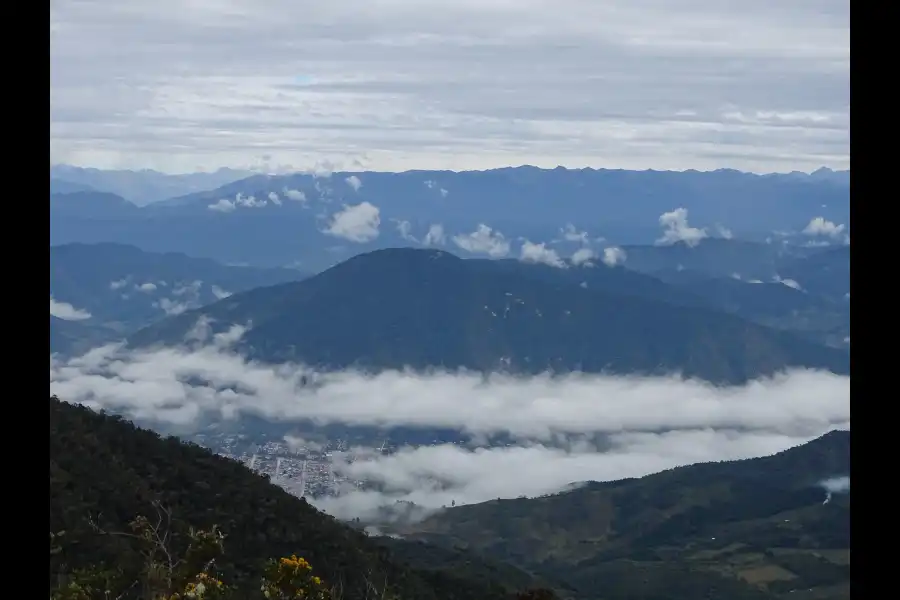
104,473
757,528
426,308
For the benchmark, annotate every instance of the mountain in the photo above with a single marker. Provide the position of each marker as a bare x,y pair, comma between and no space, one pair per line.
90,205
778,305
268,220
714,257
755,528
104,472
144,186
70,338
425,308
61,186
826,273
124,288
822,174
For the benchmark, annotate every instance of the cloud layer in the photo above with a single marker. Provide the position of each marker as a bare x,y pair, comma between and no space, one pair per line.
452,84
563,429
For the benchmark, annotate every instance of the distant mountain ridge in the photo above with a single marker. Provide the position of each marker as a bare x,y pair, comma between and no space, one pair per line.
141,186
124,288
418,308
281,219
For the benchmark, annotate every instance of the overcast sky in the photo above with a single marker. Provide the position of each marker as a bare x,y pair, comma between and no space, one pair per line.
182,85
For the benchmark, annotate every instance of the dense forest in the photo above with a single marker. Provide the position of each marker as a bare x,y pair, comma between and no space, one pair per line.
134,516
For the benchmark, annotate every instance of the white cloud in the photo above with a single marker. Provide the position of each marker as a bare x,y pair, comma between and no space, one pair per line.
295,195
483,240
644,424
223,205
571,234
171,307
819,226
724,232
540,253
435,236
67,312
358,223
118,284
248,201
149,383
583,257
147,287
354,182
676,229
451,84
219,293
613,256
274,199
791,283
436,476
837,485
404,228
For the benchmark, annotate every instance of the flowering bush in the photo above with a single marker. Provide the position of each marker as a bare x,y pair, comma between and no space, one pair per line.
292,578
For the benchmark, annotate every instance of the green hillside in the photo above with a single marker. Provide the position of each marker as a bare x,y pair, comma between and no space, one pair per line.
747,529
105,472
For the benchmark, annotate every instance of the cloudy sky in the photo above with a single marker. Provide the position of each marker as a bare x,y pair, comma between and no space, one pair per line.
182,85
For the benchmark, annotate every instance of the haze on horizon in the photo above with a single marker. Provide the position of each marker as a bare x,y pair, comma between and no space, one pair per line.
438,84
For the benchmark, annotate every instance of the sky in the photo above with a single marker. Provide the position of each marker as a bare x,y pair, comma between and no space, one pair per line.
287,85
647,424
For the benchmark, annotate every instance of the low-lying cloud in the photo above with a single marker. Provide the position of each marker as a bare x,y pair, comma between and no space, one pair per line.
433,477
557,429
67,312
178,385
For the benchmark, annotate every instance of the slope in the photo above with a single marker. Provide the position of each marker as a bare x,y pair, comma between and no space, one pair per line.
125,288
105,472
713,257
421,308
826,273
816,317
761,520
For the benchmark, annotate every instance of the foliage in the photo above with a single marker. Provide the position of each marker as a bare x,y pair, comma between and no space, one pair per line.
104,470
695,531
292,577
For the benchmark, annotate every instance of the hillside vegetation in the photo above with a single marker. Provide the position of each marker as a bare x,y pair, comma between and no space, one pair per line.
123,498
422,308
747,529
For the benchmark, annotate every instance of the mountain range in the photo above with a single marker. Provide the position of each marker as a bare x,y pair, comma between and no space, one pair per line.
122,288
317,221
140,187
